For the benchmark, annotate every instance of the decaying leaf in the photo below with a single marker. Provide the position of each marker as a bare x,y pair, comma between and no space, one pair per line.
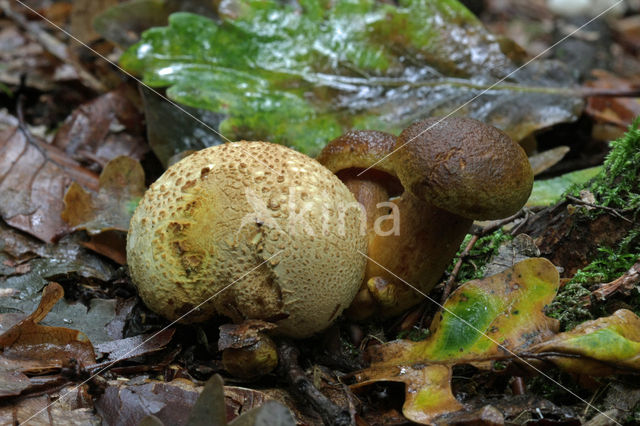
66,260
33,179
122,24
606,345
129,404
102,129
75,408
28,348
501,317
511,252
121,187
22,57
481,321
31,347
544,160
620,111
301,73
112,244
135,346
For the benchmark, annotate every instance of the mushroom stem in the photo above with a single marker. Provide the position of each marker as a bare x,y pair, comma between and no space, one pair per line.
437,177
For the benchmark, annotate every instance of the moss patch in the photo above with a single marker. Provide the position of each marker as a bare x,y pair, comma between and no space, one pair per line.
618,187
483,250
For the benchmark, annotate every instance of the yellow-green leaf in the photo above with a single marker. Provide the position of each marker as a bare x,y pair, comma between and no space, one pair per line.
482,321
605,345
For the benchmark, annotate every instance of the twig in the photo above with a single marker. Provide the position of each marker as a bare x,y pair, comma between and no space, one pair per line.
518,386
476,235
52,45
613,93
615,212
289,367
625,283
456,269
22,125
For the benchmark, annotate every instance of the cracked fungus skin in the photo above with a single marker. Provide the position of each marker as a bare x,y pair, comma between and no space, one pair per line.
221,212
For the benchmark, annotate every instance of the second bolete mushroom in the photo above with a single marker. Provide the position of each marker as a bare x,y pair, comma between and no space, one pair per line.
432,182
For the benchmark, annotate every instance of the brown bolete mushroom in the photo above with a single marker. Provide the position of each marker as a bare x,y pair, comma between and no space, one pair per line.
268,231
444,174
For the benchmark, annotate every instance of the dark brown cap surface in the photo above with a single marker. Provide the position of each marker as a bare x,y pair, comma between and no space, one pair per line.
464,166
358,149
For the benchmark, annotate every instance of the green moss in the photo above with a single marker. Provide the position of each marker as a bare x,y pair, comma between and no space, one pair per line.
415,334
618,184
483,250
618,187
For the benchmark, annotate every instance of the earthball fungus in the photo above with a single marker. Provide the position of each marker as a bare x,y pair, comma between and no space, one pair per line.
255,231
421,192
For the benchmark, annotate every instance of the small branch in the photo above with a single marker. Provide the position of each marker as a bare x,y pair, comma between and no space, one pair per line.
456,269
52,45
610,93
290,368
477,233
624,283
615,212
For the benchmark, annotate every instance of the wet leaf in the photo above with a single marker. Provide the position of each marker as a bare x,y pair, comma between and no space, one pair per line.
121,187
82,15
132,347
546,159
620,111
66,261
126,404
166,128
548,191
33,180
480,322
210,406
271,413
302,73
28,345
606,345
49,409
123,23
104,128
20,55
130,403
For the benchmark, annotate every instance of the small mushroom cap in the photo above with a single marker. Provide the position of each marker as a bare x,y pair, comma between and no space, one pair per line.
464,166
257,229
358,149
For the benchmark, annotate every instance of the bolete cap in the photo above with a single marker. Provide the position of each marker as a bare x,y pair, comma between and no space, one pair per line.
358,149
464,166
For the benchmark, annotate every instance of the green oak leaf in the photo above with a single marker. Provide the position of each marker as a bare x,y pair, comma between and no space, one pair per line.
302,72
